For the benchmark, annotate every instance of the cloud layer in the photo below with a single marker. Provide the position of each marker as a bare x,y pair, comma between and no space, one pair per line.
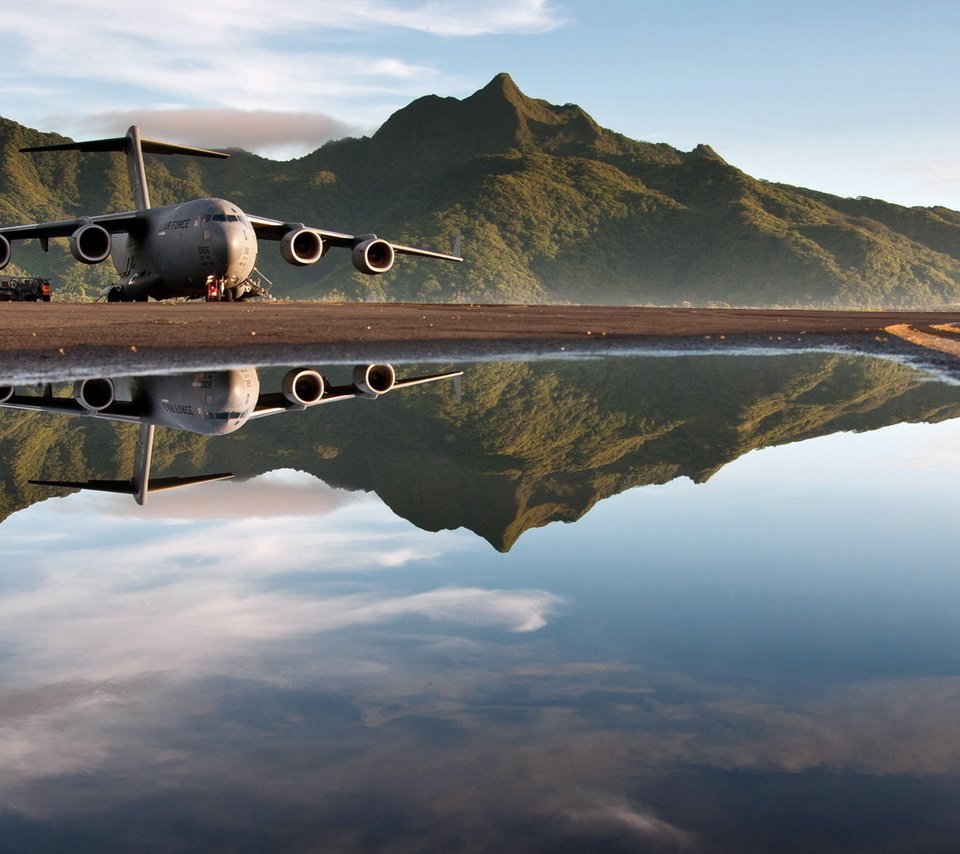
227,72
186,596
277,134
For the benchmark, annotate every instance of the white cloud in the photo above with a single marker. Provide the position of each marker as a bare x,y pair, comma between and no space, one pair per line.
115,603
306,62
275,495
932,173
643,824
250,529
463,18
268,132
74,628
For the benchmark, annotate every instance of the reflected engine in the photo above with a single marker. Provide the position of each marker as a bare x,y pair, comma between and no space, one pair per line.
303,386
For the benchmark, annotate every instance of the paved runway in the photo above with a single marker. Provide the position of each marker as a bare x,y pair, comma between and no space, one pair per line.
39,338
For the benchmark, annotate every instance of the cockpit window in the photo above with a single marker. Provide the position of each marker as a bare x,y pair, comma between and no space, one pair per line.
207,415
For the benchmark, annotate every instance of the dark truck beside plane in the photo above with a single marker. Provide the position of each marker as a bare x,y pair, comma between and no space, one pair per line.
24,289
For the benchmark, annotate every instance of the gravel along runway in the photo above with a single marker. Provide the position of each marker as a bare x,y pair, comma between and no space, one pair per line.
39,339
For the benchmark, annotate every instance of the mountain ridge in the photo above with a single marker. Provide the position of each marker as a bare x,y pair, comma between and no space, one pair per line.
551,206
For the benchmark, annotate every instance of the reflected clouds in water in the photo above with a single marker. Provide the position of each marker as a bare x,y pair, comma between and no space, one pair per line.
764,659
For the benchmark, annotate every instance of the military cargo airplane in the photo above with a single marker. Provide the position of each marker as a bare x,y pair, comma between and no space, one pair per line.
204,248
211,403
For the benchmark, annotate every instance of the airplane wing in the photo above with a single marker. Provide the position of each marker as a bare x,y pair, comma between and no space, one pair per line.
118,410
274,229
114,223
273,403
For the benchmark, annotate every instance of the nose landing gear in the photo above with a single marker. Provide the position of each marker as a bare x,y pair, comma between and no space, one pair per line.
229,289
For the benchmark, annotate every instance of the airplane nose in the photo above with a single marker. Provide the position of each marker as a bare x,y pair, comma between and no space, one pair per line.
239,254
231,245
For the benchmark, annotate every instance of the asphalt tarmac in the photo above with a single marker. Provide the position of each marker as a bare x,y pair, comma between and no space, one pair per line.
41,340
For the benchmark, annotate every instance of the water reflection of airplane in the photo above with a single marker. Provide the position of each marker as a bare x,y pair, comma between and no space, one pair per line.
211,403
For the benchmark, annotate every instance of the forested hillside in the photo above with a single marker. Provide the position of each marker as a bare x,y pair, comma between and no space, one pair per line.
551,207
527,443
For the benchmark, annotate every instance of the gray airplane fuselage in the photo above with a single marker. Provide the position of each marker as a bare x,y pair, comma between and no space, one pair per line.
178,247
211,403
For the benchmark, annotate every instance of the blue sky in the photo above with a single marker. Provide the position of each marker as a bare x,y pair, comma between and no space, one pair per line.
845,96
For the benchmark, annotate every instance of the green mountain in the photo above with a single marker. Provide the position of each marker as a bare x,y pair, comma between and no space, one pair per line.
527,443
551,206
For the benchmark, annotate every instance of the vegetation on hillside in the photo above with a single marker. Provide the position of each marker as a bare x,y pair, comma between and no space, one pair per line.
550,206
526,444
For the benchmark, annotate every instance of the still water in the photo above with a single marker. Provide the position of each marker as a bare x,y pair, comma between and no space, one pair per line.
381,636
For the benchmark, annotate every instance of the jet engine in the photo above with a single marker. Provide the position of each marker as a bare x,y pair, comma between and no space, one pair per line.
373,380
301,247
4,251
373,256
94,395
90,244
303,387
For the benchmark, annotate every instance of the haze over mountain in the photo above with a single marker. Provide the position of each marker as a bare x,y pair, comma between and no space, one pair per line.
551,207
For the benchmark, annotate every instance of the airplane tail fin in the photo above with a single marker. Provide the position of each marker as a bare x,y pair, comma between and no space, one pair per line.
141,485
134,146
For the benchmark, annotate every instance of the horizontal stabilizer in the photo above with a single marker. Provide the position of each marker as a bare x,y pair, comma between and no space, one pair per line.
161,484
123,487
119,143
128,487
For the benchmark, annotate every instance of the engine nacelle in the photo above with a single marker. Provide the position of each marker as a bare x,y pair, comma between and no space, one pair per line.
373,380
94,395
6,392
301,247
91,243
5,251
303,387
373,256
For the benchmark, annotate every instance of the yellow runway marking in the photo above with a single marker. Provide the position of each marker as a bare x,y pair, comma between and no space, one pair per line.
925,339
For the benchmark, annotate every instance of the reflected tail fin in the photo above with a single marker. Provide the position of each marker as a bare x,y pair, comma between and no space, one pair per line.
140,486
126,487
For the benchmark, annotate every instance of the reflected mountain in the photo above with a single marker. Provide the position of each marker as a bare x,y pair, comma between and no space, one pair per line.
525,444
